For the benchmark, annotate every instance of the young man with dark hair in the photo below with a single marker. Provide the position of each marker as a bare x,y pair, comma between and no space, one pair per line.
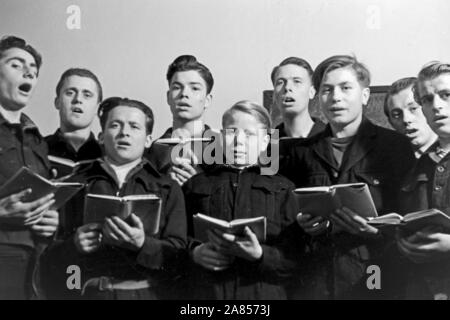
189,95
406,117
428,186
292,91
24,227
78,94
122,259
351,149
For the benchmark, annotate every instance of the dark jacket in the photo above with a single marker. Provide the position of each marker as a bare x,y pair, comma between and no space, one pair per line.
376,156
20,145
156,261
227,193
160,154
427,186
58,146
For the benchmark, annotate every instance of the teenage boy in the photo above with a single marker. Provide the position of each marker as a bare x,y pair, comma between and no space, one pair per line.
24,227
406,116
78,94
123,260
189,95
428,250
351,149
292,91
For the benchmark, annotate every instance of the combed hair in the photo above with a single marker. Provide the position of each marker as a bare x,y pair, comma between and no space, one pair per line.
295,61
109,104
252,108
188,63
338,62
85,73
430,71
395,88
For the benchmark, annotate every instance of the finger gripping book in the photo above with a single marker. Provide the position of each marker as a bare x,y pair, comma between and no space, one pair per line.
203,223
322,201
147,207
25,178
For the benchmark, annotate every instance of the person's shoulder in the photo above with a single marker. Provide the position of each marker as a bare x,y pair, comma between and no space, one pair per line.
392,137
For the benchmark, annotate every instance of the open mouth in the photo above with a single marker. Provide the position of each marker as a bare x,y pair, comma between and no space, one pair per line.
183,105
123,144
288,100
25,87
77,110
439,118
410,131
336,109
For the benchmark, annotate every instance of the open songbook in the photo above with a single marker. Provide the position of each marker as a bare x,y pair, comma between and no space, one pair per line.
203,223
413,221
322,201
24,179
147,207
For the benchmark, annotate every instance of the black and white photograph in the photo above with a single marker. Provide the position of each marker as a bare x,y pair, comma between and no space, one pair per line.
224,154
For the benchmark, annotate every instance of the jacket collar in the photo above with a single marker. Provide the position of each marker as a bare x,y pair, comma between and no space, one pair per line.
358,148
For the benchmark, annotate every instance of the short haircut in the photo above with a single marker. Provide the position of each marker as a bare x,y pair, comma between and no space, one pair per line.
85,73
395,88
109,104
188,63
10,42
338,62
430,71
295,61
257,111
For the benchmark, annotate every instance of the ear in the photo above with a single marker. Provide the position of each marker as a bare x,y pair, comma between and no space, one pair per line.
55,102
265,143
148,141
312,92
167,97
100,138
208,100
365,96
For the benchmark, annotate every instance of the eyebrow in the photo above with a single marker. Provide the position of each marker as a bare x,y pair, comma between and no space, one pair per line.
33,64
339,84
189,83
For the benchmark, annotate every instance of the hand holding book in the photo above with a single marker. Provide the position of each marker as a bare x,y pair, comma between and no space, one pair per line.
245,246
121,234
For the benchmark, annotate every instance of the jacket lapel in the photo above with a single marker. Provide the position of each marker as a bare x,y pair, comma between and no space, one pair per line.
322,148
360,146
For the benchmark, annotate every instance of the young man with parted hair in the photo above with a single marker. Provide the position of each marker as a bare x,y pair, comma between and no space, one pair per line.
351,149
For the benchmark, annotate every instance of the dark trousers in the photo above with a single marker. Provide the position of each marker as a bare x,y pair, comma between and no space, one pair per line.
16,269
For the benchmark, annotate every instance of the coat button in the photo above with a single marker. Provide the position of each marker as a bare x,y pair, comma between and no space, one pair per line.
376,182
335,174
440,169
437,188
235,184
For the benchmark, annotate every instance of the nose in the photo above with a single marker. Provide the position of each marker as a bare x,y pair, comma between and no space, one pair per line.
288,86
124,130
185,92
437,103
29,73
76,98
407,117
239,137
336,94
